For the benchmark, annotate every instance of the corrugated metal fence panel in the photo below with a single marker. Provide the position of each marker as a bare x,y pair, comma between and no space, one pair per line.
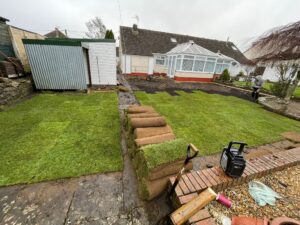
57,67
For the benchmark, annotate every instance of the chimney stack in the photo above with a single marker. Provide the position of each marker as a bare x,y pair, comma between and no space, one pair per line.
56,32
135,30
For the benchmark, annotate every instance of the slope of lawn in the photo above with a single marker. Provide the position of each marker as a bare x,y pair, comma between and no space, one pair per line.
266,86
59,135
210,121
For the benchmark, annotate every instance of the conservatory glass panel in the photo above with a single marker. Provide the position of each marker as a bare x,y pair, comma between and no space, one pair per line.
225,66
218,68
178,63
188,57
209,67
187,63
211,59
198,66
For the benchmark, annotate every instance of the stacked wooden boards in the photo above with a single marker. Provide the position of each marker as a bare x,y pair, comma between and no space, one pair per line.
147,127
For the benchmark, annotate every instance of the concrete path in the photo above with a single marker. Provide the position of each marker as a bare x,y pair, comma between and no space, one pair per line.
94,199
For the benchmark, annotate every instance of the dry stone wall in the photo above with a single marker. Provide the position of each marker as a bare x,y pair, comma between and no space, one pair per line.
13,90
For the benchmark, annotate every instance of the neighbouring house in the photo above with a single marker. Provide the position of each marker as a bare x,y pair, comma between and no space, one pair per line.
72,64
185,58
11,41
279,50
17,35
5,41
56,33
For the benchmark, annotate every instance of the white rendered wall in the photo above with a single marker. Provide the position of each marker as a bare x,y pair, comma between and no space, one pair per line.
102,56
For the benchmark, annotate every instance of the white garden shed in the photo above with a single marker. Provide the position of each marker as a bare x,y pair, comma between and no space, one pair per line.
68,64
191,62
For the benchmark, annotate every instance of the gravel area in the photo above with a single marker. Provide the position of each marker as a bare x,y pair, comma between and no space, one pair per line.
286,183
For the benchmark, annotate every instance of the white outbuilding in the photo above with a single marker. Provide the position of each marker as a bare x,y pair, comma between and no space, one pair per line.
71,64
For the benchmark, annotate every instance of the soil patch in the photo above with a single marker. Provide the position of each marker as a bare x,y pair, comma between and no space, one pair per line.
170,86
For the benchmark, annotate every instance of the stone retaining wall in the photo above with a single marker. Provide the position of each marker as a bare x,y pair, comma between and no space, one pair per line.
12,90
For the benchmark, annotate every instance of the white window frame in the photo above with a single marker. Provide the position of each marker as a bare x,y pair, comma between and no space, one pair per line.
200,58
160,57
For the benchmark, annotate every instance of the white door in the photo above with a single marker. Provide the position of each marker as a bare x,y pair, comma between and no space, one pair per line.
171,66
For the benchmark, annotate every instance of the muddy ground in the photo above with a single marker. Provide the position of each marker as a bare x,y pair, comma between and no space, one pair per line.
170,86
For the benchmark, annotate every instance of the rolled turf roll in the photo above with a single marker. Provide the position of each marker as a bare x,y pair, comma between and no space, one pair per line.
148,122
154,139
140,109
151,131
143,115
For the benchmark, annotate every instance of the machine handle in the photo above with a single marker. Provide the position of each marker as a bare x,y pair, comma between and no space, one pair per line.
189,155
242,145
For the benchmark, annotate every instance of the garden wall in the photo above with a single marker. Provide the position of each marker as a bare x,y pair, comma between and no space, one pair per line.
14,90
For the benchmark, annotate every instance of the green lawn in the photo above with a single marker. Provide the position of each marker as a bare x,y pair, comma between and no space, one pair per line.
59,135
266,86
210,121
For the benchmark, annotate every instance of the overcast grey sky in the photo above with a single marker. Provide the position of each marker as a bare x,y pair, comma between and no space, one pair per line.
240,20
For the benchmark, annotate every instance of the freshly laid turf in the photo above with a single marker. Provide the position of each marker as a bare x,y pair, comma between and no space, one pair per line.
210,121
59,135
266,86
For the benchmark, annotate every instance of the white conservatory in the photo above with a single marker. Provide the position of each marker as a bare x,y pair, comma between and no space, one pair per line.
191,62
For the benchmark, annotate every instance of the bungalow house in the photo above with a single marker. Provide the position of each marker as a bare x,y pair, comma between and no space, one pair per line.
182,57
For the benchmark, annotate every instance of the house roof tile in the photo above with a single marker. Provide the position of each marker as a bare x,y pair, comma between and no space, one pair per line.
146,42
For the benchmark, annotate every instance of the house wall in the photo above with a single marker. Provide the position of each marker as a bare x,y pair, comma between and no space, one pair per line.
139,64
192,76
17,35
125,64
5,41
102,56
159,69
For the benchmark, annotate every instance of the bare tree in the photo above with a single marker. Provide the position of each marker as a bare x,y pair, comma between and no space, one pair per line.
96,28
281,46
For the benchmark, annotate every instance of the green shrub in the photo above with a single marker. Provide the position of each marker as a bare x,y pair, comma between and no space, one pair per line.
225,76
279,88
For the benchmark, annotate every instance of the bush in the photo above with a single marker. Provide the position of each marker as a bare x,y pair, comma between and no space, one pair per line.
239,75
225,76
279,88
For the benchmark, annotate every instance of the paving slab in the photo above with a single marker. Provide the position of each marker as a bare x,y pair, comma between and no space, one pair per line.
8,199
43,203
96,198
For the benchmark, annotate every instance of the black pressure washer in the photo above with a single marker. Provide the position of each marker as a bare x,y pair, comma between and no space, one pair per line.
232,160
